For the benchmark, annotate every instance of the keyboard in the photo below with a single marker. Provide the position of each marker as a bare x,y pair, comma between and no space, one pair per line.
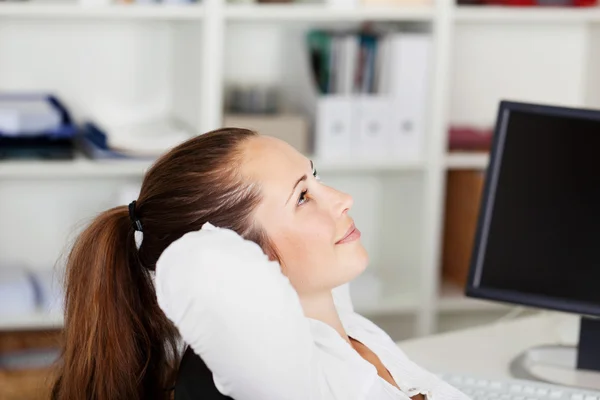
515,389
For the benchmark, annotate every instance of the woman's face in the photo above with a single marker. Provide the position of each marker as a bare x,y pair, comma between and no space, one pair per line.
304,218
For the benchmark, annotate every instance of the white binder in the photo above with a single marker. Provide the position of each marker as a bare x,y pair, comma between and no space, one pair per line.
334,125
372,115
410,61
389,125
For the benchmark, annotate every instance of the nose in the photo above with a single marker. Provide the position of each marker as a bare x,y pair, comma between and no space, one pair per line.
342,202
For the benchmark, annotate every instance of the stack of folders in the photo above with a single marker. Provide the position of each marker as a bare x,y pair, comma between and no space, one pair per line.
35,125
25,292
17,292
372,94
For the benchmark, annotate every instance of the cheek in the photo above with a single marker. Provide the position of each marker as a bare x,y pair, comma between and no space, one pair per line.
307,251
305,239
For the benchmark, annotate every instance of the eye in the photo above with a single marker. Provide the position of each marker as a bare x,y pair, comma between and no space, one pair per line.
316,174
302,199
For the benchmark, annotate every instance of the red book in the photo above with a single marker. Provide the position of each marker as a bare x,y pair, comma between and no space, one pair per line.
585,3
468,138
519,2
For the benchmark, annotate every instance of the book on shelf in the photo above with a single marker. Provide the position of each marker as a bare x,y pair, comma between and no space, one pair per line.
343,62
35,126
372,93
469,138
462,201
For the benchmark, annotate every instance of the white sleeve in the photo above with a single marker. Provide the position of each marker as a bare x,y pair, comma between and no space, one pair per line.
239,313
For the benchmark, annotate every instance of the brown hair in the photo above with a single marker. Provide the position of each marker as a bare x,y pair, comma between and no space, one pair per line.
117,343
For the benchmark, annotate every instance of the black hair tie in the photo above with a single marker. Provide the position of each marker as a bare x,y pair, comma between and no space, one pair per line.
137,225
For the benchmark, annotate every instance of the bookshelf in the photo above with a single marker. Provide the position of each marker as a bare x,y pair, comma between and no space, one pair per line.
535,15
82,167
71,10
321,13
178,59
452,300
390,306
467,160
38,320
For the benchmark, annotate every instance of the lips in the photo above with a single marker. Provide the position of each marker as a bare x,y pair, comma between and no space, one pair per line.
351,234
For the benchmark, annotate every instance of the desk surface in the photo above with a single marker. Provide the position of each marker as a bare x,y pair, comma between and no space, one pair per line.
488,350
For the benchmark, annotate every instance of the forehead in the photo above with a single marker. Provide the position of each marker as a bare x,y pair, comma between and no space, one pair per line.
273,164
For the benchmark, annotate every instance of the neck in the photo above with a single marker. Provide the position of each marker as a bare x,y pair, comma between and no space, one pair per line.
320,306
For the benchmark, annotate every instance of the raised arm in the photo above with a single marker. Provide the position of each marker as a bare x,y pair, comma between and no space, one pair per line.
239,313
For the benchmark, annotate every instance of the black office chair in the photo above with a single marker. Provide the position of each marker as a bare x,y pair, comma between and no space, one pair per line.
195,380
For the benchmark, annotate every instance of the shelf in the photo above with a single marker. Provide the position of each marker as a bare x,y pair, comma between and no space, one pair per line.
466,160
376,293
279,12
116,11
358,165
38,320
397,305
41,320
78,168
487,14
452,299
85,168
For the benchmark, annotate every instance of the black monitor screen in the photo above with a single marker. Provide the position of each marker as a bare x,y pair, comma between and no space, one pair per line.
539,231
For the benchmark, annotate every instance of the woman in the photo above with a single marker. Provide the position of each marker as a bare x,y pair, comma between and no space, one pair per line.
247,245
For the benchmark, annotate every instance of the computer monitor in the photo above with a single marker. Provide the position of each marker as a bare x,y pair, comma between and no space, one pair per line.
538,235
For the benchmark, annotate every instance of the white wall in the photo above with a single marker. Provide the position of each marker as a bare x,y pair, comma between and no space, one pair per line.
515,61
38,218
109,69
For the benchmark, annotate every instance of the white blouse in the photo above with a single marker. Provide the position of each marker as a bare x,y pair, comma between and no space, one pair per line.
239,313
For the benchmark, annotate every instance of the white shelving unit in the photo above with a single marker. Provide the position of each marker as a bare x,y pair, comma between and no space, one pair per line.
535,15
321,13
81,167
452,299
401,304
64,10
466,160
178,59
37,321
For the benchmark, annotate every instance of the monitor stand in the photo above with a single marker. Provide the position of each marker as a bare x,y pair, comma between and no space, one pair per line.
564,365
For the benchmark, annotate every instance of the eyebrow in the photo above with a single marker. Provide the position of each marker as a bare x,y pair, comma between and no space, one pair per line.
302,178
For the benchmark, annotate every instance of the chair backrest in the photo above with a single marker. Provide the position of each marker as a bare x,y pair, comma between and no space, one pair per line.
195,380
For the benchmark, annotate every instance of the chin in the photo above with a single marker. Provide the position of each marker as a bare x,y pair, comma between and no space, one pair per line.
358,261
361,254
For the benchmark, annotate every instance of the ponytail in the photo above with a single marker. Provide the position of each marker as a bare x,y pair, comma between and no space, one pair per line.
117,342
